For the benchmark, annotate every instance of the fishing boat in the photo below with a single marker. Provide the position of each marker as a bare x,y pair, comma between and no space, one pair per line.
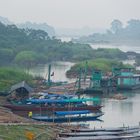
33,107
99,133
118,129
55,105
69,116
119,133
108,137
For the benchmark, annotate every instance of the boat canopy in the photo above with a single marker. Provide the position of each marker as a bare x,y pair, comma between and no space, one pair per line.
82,100
62,101
60,113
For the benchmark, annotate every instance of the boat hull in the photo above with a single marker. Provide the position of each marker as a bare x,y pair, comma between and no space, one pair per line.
66,119
50,108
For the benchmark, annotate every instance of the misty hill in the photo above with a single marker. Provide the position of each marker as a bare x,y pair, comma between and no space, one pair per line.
5,21
41,26
117,34
76,32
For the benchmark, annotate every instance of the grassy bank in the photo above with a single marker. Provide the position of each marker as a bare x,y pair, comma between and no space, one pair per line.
105,65
10,76
26,132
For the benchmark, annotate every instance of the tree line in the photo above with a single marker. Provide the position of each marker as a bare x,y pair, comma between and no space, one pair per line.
117,34
28,47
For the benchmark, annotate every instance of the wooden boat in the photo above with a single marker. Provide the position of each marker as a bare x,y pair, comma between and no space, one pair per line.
109,137
99,133
54,105
33,107
118,129
74,118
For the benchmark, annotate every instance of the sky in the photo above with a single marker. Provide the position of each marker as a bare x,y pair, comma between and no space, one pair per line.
70,13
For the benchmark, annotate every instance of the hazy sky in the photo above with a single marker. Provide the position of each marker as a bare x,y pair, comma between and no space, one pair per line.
70,13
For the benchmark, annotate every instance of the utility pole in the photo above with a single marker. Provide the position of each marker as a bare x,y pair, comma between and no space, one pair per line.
79,79
49,75
85,71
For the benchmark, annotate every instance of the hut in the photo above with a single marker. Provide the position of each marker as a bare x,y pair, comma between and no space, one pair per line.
20,91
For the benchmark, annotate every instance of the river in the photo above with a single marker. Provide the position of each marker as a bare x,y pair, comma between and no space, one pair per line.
119,112
121,47
124,48
116,113
59,69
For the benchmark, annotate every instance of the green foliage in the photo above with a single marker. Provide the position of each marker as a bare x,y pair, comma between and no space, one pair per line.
110,53
19,132
10,76
102,64
6,55
30,47
27,58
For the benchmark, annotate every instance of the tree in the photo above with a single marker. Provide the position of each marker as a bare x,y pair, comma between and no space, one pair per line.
116,26
26,58
37,34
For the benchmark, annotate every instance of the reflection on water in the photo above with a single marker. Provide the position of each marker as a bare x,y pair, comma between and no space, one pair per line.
59,69
119,112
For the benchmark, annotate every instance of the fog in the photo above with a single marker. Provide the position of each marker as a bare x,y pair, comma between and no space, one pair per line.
70,13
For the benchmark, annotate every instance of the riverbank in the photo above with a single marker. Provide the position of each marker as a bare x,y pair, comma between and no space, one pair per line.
16,127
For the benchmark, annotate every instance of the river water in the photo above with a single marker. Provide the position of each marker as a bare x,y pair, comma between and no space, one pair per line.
116,112
121,47
59,69
119,112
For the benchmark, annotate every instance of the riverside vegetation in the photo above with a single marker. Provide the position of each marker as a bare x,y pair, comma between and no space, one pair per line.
28,47
10,76
105,65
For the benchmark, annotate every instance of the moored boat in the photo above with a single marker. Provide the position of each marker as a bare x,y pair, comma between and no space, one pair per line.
108,137
50,108
106,129
99,133
54,105
74,118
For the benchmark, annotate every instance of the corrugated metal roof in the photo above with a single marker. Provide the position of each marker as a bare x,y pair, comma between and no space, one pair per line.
22,84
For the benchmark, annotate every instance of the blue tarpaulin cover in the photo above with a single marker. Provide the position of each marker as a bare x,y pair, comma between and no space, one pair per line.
39,101
72,112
